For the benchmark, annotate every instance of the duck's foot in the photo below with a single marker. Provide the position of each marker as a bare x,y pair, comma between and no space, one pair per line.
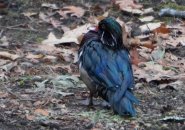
89,101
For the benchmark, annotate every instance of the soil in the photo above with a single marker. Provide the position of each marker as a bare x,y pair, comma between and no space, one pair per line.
155,103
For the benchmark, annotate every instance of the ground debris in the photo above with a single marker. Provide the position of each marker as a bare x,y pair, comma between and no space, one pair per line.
40,86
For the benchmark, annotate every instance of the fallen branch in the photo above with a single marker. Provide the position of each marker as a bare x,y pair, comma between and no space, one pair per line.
172,13
18,27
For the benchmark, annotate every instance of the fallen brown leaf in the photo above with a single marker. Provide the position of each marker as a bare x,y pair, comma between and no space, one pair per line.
72,11
125,3
129,6
148,44
30,117
147,19
97,8
162,29
136,59
29,14
50,59
3,94
152,71
150,26
8,55
4,41
32,56
38,103
73,35
43,112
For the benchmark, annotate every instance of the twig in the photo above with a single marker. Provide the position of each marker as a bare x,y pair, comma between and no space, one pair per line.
49,97
14,27
1,33
21,29
18,25
148,27
17,96
180,21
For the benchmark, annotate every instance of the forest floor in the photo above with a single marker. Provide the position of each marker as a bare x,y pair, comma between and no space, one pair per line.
40,88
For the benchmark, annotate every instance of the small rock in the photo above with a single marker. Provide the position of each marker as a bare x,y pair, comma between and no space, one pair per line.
99,125
26,65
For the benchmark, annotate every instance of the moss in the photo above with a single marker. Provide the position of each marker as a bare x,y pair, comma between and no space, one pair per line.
39,39
105,116
170,68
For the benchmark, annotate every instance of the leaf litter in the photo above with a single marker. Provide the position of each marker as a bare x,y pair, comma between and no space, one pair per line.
40,81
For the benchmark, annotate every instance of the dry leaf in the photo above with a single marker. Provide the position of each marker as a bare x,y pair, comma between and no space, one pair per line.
70,36
159,51
63,94
148,44
48,5
55,23
175,41
129,6
52,40
9,66
3,62
65,28
147,19
97,9
69,55
48,49
32,56
73,35
3,94
48,19
3,76
181,41
125,3
30,117
163,36
51,59
38,103
133,11
29,14
158,54
43,112
152,71
177,85
44,17
150,26
135,57
148,10
4,41
162,29
8,55
134,42
72,10
94,20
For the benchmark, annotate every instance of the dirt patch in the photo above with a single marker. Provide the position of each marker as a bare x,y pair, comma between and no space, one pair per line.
19,100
